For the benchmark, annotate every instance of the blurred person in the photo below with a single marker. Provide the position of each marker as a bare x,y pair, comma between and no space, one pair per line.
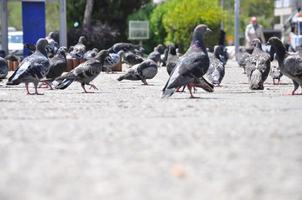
253,31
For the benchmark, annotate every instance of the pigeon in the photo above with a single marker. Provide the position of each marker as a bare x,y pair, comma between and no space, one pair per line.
191,66
78,50
276,74
91,53
84,73
142,71
172,59
33,68
216,70
3,68
112,60
221,53
242,58
53,44
290,65
155,56
58,64
132,58
125,47
258,66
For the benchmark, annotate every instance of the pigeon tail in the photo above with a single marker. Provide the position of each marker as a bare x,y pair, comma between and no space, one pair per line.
204,84
168,92
64,84
120,78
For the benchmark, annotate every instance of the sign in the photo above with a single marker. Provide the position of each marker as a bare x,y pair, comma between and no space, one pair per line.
138,30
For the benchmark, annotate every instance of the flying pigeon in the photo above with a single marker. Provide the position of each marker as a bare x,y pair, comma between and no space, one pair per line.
33,68
191,66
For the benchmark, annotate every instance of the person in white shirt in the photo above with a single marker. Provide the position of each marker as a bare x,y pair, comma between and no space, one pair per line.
252,31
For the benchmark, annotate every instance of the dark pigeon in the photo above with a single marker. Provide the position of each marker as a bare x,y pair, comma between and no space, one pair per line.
84,73
155,56
258,66
131,58
142,71
172,58
33,68
78,50
290,65
58,64
3,68
125,47
221,53
191,66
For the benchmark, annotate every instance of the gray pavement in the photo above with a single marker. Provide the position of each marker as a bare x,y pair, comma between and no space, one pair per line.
124,142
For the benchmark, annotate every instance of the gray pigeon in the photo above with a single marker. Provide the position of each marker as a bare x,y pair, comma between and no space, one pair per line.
290,65
85,72
91,53
3,68
155,56
172,58
276,74
112,60
125,47
78,50
58,64
216,70
242,58
258,66
142,71
33,68
191,66
131,58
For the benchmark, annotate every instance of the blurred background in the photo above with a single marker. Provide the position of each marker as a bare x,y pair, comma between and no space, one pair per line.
105,22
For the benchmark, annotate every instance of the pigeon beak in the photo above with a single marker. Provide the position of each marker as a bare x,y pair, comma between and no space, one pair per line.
209,30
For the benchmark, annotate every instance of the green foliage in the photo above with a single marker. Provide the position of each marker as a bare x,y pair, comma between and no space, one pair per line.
175,20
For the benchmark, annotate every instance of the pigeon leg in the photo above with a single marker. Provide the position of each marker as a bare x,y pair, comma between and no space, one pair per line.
190,86
92,86
36,89
296,85
27,90
83,86
144,81
274,83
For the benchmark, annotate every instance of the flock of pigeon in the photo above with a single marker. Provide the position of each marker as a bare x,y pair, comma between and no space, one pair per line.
197,67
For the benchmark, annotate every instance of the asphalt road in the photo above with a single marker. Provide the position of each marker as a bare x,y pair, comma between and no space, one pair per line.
125,142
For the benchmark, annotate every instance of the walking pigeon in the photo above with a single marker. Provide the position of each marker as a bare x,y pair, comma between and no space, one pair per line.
191,66
290,65
84,73
33,68
276,74
172,58
216,70
125,47
132,58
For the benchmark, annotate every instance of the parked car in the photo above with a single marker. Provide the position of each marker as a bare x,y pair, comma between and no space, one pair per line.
15,42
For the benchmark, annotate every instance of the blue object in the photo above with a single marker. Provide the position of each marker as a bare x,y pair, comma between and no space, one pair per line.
33,22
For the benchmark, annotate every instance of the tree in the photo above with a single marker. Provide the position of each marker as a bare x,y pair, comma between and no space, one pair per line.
88,14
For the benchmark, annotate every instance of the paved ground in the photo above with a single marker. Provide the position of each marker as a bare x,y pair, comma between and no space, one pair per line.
124,142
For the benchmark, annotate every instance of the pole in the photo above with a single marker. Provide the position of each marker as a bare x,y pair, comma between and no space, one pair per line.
222,6
63,26
237,7
4,26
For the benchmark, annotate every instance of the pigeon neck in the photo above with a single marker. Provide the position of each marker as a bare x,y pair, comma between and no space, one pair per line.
42,51
281,52
197,41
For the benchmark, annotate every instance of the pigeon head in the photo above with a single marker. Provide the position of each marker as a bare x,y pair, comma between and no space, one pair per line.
198,34
256,43
82,40
62,51
277,47
42,46
172,49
